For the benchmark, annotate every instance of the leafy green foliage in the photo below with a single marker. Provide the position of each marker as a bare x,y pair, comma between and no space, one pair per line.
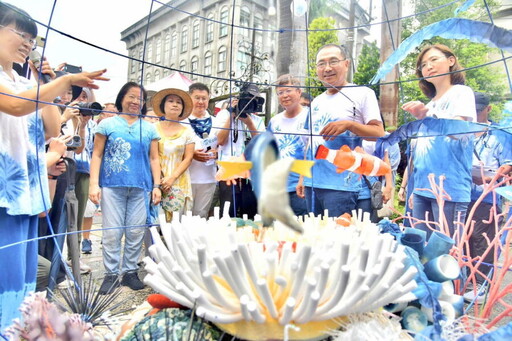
367,64
317,39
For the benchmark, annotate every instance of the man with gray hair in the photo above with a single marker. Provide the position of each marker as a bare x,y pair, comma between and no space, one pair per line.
338,117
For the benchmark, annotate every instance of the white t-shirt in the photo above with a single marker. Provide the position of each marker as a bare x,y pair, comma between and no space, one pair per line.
353,103
201,172
459,100
237,148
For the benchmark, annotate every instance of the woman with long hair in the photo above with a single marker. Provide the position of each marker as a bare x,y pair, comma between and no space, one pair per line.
125,175
451,156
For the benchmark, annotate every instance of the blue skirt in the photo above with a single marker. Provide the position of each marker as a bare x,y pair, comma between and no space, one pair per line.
18,263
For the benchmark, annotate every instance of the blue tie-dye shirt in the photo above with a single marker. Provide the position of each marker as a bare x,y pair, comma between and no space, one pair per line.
355,103
450,156
125,160
291,143
23,174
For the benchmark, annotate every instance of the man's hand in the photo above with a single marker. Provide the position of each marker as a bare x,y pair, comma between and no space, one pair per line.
333,129
202,156
299,189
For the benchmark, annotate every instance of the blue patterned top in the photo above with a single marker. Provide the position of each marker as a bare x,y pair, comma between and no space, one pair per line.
126,156
291,144
450,156
23,174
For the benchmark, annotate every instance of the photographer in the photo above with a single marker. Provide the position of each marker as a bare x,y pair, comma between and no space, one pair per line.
237,127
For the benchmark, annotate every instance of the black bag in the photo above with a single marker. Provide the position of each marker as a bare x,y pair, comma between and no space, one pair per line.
375,193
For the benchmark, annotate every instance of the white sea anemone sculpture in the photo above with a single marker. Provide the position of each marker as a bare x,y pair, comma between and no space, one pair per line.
252,283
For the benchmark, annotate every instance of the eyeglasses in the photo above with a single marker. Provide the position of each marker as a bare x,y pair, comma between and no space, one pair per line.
431,61
285,92
331,63
135,99
25,36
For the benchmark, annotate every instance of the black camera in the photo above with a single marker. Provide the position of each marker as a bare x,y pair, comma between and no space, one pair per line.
74,143
89,108
72,68
249,100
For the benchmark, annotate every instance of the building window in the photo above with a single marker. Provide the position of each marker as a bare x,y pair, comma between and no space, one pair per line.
149,52
167,72
195,34
222,59
208,63
245,22
209,28
157,75
243,59
223,31
194,67
174,44
167,46
148,78
133,62
158,52
184,39
141,57
183,65
258,25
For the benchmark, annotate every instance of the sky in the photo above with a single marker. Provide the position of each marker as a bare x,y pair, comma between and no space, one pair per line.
99,22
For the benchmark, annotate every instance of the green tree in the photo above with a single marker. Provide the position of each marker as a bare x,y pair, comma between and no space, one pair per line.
321,33
488,79
368,62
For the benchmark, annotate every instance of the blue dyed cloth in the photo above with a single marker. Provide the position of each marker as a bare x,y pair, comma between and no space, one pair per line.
453,28
83,160
358,104
493,154
290,144
126,157
23,174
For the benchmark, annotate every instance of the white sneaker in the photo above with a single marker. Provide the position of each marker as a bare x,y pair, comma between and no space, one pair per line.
84,268
477,295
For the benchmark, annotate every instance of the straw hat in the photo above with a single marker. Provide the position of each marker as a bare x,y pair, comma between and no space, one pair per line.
160,96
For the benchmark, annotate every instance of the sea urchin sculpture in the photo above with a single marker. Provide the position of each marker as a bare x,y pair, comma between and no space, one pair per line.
253,289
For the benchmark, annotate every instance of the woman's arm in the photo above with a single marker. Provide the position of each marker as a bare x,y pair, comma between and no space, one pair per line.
16,104
169,180
97,157
154,162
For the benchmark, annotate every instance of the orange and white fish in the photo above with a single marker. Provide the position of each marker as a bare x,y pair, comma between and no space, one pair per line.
357,160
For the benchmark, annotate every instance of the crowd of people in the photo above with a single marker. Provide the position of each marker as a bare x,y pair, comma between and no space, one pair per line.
140,157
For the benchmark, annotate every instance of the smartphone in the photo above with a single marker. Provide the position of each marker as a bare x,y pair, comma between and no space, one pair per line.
72,68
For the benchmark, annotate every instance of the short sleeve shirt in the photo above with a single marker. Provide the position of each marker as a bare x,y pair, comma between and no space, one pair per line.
450,156
288,133
355,103
126,156
23,174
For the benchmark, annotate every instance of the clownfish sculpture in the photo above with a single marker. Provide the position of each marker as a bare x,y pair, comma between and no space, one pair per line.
357,160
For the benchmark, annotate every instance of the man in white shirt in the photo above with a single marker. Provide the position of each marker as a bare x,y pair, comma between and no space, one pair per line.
203,168
287,126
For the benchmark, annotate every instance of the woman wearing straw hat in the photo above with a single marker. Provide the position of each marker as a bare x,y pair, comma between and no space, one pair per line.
176,149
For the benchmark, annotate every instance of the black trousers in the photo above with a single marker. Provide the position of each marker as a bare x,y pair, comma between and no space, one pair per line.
477,243
242,198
